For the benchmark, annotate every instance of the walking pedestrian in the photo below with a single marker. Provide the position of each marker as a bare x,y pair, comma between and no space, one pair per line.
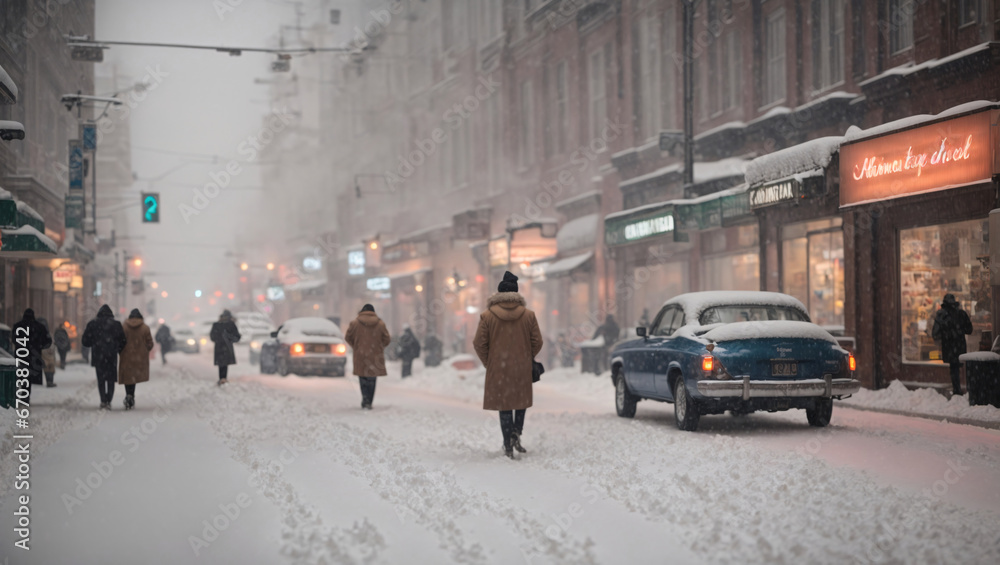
31,335
133,367
368,338
951,325
63,344
435,349
106,339
609,330
409,349
165,340
48,359
507,341
224,334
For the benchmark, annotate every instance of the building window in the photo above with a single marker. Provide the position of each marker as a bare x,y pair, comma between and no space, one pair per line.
828,33
732,83
494,137
597,77
901,24
939,260
526,147
557,110
491,19
812,268
774,56
968,12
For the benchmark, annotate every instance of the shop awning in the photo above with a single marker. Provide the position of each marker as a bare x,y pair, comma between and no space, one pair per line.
25,242
578,233
73,250
8,90
22,231
566,266
712,210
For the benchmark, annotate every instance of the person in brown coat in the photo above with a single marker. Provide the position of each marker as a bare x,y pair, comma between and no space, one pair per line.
507,341
133,361
368,337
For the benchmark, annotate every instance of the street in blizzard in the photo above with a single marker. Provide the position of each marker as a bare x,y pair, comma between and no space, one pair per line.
498,281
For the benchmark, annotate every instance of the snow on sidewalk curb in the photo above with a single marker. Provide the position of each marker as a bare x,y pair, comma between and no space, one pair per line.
924,403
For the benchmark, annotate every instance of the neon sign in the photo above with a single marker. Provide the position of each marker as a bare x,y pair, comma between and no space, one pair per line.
948,154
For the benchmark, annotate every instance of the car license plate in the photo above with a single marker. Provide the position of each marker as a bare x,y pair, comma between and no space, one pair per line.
782,368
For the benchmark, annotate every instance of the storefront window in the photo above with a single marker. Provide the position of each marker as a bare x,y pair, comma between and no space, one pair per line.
938,260
812,267
654,285
739,271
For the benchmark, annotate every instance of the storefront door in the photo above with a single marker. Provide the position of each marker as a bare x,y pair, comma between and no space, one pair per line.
813,268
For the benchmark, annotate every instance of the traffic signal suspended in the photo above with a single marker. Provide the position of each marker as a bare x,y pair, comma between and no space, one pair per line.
150,207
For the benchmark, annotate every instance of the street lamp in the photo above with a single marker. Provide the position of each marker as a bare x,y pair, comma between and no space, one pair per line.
244,266
270,266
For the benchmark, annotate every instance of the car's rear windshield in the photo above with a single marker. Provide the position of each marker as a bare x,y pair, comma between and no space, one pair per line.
757,313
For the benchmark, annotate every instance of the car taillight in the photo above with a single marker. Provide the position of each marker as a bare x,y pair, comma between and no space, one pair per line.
707,364
298,349
852,363
340,349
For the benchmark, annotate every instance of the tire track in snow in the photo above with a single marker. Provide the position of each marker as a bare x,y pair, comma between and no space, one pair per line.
434,498
239,419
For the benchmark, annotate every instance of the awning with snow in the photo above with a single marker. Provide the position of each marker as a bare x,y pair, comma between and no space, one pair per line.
25,242
578,233
22,231
8,90
567,266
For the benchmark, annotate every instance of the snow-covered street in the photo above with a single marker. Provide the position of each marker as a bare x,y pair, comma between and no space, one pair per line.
290,470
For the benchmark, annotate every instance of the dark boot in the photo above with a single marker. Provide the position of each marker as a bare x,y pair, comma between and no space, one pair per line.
515,440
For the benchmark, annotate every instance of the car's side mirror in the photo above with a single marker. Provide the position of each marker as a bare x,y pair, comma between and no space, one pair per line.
640,331
274,334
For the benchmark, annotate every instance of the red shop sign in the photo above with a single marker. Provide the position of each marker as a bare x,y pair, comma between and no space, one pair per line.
938,156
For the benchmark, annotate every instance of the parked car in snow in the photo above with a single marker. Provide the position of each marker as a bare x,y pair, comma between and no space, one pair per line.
257,339
185,340
709,352
305,346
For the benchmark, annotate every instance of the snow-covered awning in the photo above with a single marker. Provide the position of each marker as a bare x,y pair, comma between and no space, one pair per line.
72,249
703,171
8,90
568,265
11,130
578,233
26,242
801,158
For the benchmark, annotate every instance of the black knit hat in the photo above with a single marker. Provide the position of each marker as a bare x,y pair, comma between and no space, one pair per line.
509,283
367,308
135,314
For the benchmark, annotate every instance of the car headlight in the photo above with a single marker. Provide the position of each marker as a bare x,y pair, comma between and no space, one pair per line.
254,345
190,341
339,349
298,349
204,340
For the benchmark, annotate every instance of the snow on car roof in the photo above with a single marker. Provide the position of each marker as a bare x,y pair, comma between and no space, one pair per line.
694,303
769,329
312,326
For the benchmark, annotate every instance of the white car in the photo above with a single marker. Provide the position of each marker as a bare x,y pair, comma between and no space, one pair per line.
305,346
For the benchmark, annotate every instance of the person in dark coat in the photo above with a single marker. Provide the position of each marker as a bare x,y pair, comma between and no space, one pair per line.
63,345
609,330
48,359
165,340
435,350
224,334
951,325
507,341
106,339
409,349
368,338
30,334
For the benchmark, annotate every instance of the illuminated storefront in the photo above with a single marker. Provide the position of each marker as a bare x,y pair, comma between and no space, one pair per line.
919,197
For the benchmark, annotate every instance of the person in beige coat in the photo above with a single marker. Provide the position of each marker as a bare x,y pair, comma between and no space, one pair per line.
368,337
507,340
133,361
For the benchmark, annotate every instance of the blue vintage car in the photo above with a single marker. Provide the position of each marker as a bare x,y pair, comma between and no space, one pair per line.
712,352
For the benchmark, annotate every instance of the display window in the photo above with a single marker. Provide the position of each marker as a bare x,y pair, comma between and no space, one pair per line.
739,271
654,285
812,268
940,260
